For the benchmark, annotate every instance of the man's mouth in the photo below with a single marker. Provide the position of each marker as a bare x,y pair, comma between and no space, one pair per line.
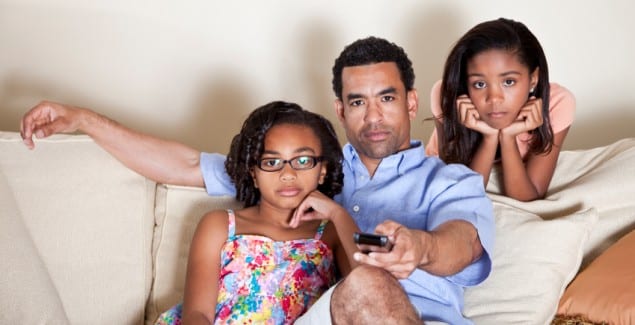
376,135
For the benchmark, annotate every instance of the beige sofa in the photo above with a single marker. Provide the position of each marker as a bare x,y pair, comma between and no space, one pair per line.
84,240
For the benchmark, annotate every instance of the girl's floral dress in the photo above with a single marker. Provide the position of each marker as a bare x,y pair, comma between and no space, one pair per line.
263,281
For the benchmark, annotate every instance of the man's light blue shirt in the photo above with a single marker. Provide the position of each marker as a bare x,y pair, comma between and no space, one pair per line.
418,192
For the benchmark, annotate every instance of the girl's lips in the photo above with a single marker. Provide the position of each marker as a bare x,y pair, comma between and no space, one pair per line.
289,191
497,114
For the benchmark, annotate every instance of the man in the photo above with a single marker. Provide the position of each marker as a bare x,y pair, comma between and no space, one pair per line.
438,217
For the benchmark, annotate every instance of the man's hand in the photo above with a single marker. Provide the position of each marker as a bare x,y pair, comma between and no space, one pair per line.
48,118
411,248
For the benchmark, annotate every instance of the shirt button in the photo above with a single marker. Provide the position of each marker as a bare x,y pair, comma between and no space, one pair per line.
356,208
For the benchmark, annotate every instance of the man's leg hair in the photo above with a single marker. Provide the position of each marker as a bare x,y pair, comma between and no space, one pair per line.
371,295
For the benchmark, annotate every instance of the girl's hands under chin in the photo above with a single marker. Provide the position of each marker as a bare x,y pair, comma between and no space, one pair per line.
470,118
529,118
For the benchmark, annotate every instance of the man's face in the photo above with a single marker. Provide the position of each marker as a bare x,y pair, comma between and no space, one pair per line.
375,110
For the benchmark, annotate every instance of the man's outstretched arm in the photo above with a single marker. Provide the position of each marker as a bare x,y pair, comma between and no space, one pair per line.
161,160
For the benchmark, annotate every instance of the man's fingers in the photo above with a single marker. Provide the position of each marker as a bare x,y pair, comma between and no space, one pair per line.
384,261
45,128
366,259
34,119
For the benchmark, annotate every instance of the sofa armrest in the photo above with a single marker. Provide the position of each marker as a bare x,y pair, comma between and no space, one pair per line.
27,293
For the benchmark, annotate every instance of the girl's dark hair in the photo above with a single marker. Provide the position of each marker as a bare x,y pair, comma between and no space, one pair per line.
372,50
457,143
248,145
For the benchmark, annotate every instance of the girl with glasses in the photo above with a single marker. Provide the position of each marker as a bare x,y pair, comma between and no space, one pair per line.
268,262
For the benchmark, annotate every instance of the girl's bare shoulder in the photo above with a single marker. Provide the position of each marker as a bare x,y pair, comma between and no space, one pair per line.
214,221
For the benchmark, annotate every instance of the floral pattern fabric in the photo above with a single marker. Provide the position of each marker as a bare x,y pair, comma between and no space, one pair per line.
263,281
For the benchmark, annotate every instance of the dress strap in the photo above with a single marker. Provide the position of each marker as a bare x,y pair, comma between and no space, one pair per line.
320,230
231,229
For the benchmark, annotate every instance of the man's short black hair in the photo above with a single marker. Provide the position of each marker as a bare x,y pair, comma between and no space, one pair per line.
372,50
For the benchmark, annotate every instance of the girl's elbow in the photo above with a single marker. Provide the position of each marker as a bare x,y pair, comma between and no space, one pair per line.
529,197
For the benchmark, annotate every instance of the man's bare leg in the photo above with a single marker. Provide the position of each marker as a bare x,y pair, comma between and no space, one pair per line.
370,295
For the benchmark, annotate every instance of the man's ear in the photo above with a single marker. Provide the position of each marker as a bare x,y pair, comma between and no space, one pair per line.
339,109
413,103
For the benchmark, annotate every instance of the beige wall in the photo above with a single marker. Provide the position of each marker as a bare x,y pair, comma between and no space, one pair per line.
192,70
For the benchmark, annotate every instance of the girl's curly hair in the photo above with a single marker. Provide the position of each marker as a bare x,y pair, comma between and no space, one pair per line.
248,145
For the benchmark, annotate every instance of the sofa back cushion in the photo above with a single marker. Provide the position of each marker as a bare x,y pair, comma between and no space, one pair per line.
91,221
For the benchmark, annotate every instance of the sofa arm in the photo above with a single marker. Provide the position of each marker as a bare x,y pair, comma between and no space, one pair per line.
27,294
90,220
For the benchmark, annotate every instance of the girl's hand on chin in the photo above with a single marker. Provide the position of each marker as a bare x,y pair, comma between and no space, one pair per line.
315,206
529,118
470,117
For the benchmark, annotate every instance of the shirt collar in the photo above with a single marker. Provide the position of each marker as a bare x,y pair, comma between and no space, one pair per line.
400,161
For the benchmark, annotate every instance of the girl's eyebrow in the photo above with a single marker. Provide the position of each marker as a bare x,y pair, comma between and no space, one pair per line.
504,74
509,73
299,150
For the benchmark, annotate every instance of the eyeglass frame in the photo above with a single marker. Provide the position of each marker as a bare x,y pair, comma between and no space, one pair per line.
316,160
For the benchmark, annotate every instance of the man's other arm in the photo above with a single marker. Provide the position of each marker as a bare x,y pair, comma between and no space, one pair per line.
161,160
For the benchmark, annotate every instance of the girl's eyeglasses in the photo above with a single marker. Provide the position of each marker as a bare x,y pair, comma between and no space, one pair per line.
297,163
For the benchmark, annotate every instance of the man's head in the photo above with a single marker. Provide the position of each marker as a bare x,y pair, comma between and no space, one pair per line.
373,81
368,51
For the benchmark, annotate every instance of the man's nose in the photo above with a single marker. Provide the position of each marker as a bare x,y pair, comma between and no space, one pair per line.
374,112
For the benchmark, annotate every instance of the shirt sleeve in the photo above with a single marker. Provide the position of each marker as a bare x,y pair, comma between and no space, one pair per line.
217,182
462,197
561,108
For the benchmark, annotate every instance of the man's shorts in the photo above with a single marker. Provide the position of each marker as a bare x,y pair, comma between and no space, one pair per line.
320,312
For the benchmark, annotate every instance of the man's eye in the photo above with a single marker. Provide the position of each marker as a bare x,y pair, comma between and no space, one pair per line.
357,102
479,85
387,98
509,82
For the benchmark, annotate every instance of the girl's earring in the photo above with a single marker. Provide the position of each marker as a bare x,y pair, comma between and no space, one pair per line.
531,91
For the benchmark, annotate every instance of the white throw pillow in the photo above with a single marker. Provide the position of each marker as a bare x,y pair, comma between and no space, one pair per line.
533,261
